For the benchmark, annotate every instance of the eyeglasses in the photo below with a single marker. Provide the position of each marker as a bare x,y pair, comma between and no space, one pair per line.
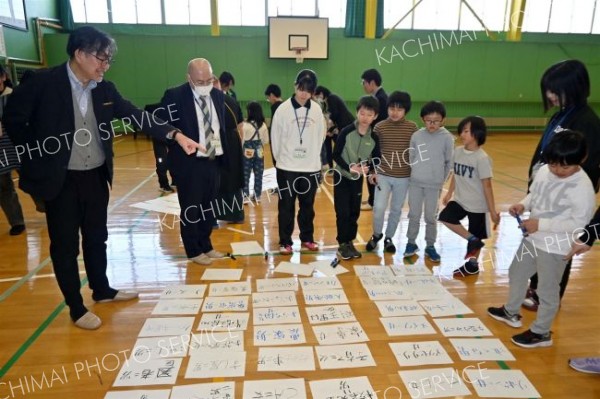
430,122
203,82
103,61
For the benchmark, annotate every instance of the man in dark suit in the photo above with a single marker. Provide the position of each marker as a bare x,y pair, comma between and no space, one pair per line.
60,123
201,111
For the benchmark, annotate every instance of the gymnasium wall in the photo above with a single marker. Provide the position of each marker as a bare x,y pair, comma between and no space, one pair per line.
467,70
21,44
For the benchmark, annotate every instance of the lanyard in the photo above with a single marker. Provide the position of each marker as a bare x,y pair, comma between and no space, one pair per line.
301,131
549,132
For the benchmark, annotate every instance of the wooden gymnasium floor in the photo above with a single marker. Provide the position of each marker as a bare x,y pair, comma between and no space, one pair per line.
37,339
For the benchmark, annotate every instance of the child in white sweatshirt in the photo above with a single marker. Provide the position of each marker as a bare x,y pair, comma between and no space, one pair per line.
561,201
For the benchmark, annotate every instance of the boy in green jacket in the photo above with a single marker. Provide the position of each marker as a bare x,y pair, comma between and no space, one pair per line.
354,148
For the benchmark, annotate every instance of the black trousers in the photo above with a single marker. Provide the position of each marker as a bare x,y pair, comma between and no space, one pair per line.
347,199
82,206
302,186
371,190
160,155
197,189
533,281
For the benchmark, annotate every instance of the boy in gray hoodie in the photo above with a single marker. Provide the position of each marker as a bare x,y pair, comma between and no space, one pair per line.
431,153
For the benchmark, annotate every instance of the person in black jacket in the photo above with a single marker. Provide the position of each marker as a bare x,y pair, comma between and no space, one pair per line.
371,82
60,122
339,116
566,85
199,108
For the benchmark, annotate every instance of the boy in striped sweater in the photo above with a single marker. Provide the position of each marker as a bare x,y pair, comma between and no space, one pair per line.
393,169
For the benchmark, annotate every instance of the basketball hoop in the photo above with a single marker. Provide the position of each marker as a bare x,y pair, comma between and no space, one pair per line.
299,55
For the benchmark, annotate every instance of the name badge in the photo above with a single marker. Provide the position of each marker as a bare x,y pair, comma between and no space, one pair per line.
300,153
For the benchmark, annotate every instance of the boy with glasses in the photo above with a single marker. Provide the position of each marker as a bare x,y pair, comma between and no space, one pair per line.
431,153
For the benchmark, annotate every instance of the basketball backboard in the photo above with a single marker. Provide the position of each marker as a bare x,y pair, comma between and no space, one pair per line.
288,34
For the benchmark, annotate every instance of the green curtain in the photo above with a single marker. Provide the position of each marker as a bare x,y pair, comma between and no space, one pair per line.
355,18
66,15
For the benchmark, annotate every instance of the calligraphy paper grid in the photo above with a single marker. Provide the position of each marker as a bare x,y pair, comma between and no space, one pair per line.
276,315
409,325
269,299
139,394
177,307
212,390
214,364
286,359
446,307
222,274
229,289
295,268
462,327
184,291
434,383
320,283
225,304
276,389
287,334
481,349
228,341
420,353
160,348
399,308
502,384
152,372
343,333
353,387
223,322
329,314
373,271
277,284
331,297
344,356
166,326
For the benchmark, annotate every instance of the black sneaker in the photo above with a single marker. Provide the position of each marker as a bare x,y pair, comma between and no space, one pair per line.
500,314
388,245
529,339
345,251
373,241
473,245
470,268
355,253
16,229
166,189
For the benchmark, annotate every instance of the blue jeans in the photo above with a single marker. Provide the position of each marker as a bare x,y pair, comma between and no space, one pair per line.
396,188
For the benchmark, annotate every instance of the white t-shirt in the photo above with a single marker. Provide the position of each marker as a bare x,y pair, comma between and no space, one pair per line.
248,131
470,167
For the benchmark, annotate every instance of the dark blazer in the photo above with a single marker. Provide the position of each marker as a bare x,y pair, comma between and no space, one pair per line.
180,102
39,119
585,121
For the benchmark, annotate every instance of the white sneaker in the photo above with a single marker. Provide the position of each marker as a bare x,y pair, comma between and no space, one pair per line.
202,259
214,254
88,321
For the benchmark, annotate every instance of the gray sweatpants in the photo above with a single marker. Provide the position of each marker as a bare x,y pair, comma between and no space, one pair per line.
550,267
422,199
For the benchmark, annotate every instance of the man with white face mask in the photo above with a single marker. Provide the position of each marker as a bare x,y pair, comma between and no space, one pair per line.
198,109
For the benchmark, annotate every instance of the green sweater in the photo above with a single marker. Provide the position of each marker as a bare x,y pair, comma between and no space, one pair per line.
352,147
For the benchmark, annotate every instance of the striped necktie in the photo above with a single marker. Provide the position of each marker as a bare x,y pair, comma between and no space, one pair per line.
210,150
